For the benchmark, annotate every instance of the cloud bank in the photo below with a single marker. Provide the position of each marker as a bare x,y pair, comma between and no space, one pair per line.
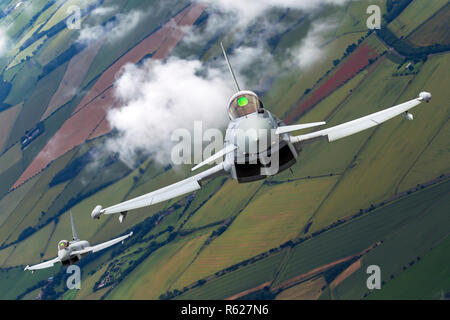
118,28
160,97
4,42
310,49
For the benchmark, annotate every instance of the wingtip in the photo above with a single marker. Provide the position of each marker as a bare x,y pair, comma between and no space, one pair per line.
425,96
26,268
97,212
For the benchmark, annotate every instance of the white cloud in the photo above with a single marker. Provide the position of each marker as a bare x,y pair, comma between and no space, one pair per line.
241,16
248,10
4,42
310,50
113,30
102,11
158,98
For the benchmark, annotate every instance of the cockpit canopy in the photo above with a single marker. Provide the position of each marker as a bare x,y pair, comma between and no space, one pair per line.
63,244
244,103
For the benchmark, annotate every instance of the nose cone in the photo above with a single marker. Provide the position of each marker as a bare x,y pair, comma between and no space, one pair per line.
63,254
253,134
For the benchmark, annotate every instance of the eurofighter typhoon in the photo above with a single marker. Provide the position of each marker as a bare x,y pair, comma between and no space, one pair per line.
257,145
70,252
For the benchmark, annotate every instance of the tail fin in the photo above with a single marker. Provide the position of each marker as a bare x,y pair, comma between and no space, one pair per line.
74,230
229,67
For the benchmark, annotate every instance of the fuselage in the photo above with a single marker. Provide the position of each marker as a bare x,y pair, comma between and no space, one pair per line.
260,152
66,249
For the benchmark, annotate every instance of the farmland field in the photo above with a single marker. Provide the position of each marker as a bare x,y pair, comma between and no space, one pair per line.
12,156
230,207
237,281
260,227
36,104
341,242
433,162
409,243
413,284
401,149
414,15
309,290
15,281
158,272
436,30
7,119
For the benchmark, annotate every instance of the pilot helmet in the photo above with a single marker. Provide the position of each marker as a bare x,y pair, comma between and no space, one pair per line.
63,244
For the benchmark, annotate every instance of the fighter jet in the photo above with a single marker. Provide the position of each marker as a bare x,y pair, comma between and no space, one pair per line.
244,158
70,252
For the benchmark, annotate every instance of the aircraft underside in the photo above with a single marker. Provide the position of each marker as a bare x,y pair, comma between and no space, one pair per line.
251,171
70,261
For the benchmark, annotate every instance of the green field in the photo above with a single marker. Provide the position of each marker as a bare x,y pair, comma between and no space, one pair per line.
62,12
434,31
7,119
12,156
155,275
275,215
237,281
17,219
408,243
29,252
23,82
10,201
15,281
308,290
414,15
427,279
394,146
361,233
27,53
433,162
230,207
36,104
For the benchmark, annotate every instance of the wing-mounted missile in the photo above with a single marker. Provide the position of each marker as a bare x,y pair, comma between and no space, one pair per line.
425,96
122,216
97,212
408,116
27,268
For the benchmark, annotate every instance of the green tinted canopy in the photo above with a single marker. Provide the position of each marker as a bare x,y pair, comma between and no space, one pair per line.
242,101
